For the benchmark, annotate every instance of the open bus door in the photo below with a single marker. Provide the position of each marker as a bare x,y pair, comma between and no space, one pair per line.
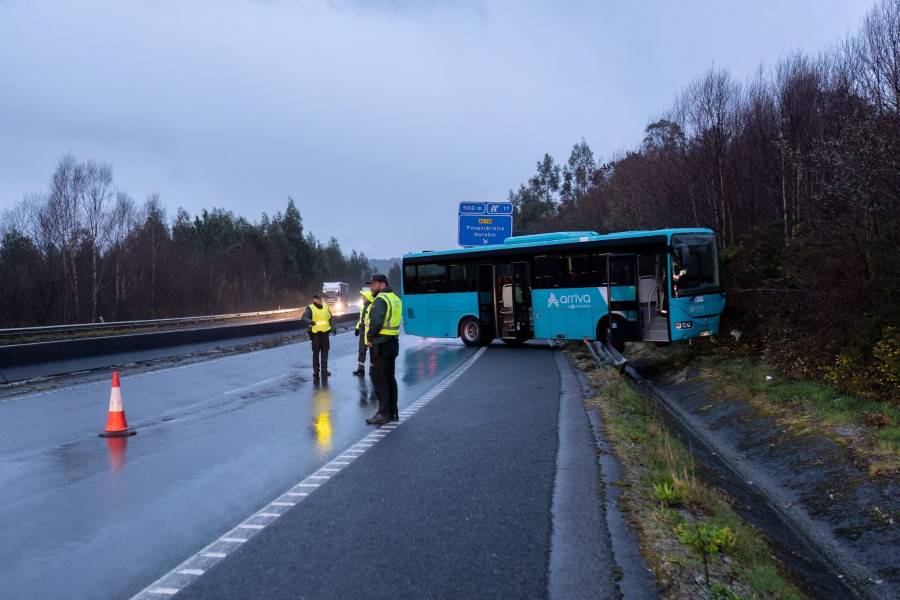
487,307
623,304
520,292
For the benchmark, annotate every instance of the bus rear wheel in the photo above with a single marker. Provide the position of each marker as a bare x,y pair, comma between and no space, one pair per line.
471,332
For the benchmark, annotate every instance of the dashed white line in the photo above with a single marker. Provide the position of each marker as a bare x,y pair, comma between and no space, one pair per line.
166,585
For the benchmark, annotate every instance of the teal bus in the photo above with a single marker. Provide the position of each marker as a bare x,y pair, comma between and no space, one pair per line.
652,286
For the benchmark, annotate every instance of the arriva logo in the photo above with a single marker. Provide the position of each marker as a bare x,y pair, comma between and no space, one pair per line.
570,299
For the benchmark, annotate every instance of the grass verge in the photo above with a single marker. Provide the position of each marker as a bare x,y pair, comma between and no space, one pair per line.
696,545
868,427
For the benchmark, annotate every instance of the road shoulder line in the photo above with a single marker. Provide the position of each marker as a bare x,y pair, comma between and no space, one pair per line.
581,562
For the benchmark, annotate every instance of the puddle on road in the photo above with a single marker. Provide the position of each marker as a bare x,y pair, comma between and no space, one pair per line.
851,519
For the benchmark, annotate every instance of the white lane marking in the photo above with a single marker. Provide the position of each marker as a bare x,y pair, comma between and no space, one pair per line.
269,514
257,384
191,572
165,591
169,581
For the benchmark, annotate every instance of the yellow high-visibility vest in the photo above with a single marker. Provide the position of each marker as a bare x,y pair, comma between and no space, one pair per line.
320,318
363,316
392,318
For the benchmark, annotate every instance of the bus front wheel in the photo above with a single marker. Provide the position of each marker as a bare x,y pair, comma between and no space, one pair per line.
471,332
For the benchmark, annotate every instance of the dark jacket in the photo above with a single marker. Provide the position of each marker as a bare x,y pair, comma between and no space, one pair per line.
377,312
307,318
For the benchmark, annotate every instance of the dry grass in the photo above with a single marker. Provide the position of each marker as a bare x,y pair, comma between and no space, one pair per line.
696,545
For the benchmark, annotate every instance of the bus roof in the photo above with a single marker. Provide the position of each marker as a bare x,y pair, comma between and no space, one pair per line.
569,239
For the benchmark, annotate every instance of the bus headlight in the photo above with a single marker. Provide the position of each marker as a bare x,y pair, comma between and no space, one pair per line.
684,324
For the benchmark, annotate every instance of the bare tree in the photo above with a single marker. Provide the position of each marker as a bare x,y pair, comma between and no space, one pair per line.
122,222
97,194
713,100
63,215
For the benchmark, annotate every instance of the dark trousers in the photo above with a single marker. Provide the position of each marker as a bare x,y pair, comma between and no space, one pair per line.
384,357
320,346
362,351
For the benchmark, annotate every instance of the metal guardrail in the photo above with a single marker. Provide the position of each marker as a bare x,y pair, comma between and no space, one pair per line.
21,332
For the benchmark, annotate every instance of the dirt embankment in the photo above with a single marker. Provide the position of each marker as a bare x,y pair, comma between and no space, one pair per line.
814,487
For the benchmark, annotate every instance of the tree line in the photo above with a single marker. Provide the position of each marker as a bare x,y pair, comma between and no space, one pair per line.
84,251
797,170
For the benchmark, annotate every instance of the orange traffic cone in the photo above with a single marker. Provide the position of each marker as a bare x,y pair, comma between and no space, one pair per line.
116,426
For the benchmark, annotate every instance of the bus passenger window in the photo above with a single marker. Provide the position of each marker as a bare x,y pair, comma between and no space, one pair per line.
579,270
432,279
598,270
410,284
549,271
462,278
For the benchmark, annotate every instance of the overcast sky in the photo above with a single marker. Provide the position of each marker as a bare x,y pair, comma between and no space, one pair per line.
377,116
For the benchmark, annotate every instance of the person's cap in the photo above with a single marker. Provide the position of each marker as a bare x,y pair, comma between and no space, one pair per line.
380,278
317,296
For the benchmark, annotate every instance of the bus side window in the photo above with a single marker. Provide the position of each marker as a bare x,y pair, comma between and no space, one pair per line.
549,272
578,271
410,282
462,278
598,269
432,279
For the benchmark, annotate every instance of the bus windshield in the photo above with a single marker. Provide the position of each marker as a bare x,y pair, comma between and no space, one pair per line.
695,264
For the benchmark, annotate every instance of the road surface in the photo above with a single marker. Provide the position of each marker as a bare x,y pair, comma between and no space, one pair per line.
457,500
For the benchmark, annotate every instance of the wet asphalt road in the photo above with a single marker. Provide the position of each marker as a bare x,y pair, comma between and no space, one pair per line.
456,503
85,517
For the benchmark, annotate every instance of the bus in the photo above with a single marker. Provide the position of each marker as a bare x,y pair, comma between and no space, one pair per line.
650,286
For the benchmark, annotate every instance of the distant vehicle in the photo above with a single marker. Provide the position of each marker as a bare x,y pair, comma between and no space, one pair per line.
656,286
336,295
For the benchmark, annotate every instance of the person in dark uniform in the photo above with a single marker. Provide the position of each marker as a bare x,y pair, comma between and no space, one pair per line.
382,336
360,332
319,323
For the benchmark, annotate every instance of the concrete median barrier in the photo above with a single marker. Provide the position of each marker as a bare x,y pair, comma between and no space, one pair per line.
27,361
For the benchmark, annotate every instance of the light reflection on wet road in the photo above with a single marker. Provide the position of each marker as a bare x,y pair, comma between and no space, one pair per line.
85,517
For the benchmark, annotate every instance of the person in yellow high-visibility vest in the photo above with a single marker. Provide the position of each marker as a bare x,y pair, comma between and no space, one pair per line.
319,323
383,337
361,330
